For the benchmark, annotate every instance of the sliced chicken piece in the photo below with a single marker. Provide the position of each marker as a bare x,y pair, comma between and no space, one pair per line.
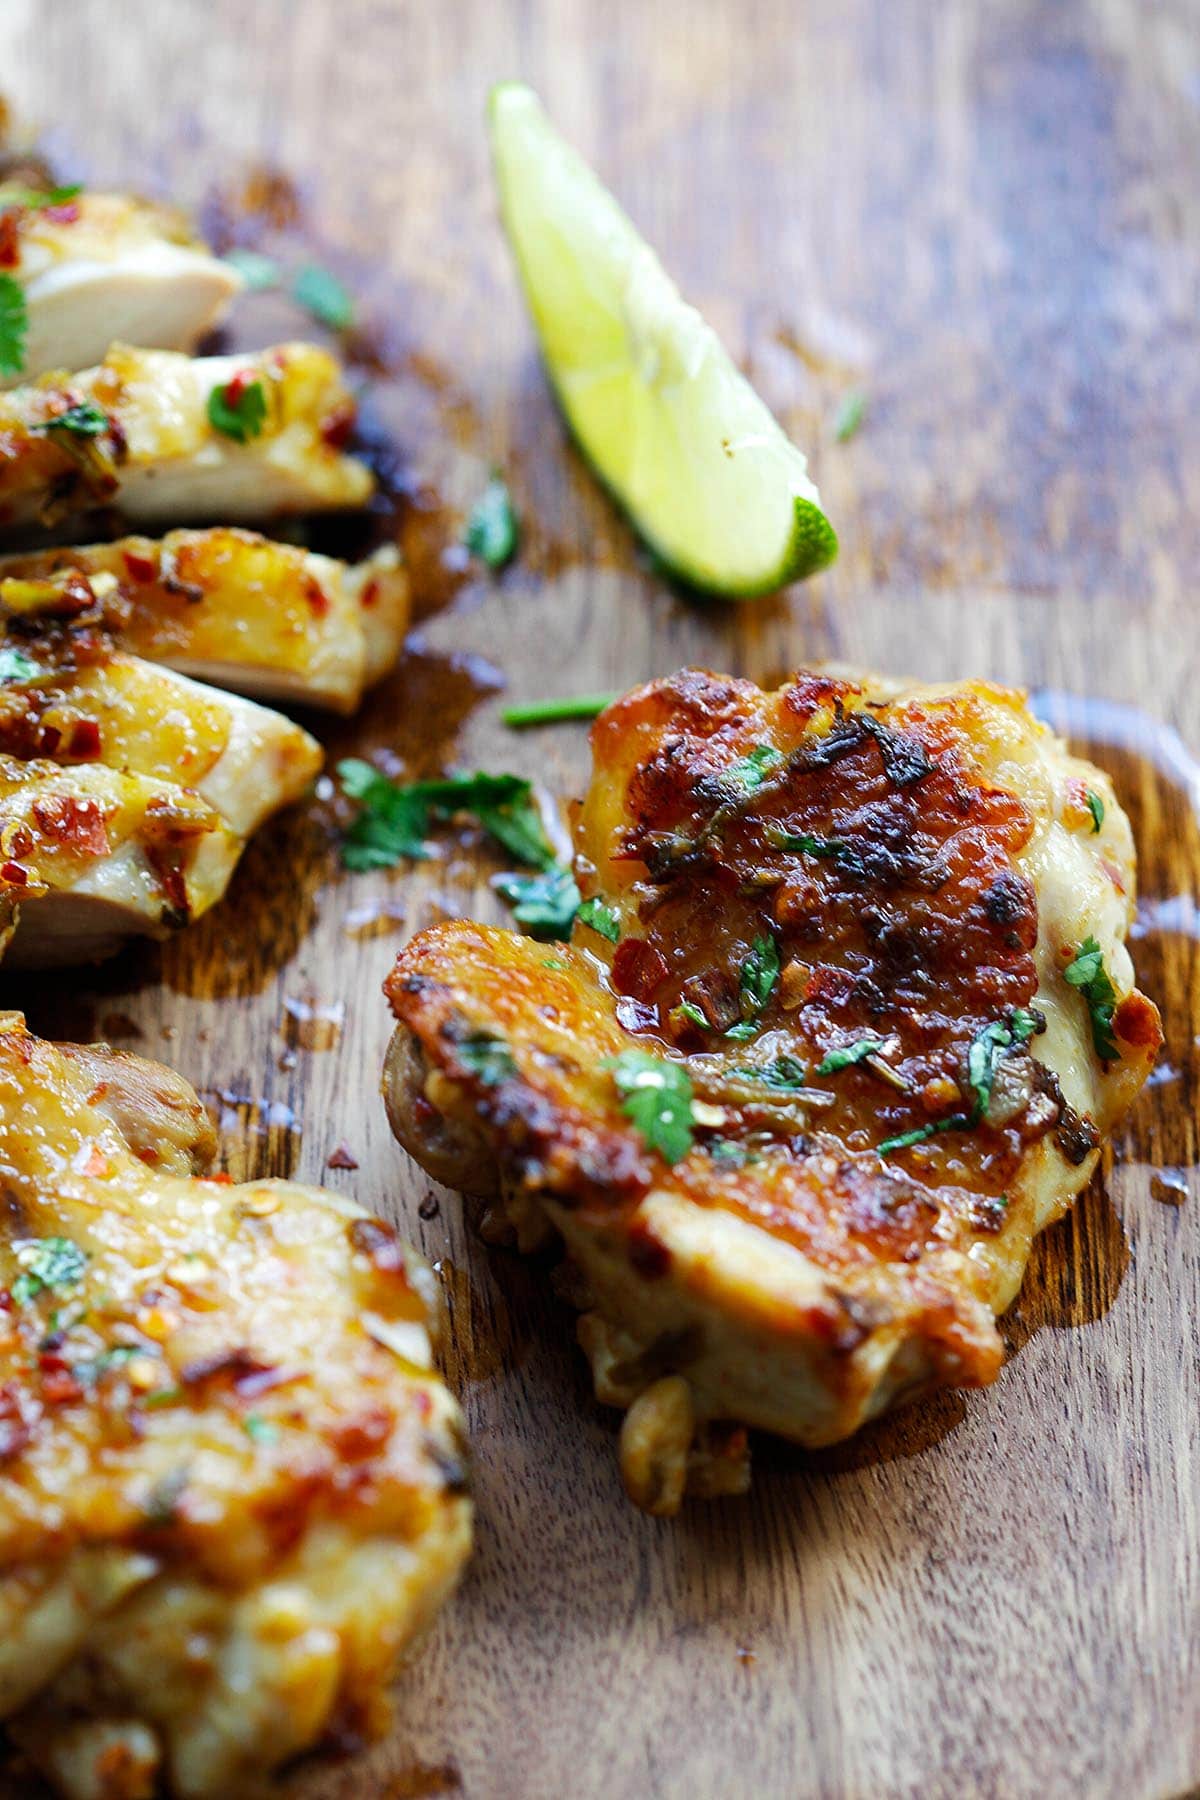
869,1017
126,790
228,606
105,268
137,432
92,856
232,1488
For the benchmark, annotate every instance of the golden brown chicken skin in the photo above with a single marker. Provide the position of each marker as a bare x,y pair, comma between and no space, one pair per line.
845,915
232,1488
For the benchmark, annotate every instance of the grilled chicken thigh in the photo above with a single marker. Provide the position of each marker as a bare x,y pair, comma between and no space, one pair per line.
228,606
102,268
232,1488
167,437
868,1018
126,790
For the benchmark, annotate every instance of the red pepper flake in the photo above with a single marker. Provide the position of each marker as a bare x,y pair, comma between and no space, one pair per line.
236,386
49,741
341,1158
10,237
141,568
317,598
369,596
336,426
13,875
96,1164
637,968
77,823
1136,1022
222,1178
85,740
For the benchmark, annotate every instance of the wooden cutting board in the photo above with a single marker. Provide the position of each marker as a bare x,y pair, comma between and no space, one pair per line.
987,218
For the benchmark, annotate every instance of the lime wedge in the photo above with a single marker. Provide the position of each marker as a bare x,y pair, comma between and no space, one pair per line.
679,437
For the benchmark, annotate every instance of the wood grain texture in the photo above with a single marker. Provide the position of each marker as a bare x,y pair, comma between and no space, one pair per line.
987,216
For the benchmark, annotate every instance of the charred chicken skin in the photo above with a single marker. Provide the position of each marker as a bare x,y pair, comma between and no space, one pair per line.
843,1021
232,1488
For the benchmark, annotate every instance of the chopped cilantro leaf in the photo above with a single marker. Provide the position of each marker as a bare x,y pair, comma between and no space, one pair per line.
988,1046
16,666
751,770
259,272
543,905
759,975
850,1054
602,918
238,409
785,1073
1086,972
14,324
85,420
1095,806
850,415
492,532
37,199
47,1263
488,1058
656,1096
323,295
396,818
260,1430
688,1013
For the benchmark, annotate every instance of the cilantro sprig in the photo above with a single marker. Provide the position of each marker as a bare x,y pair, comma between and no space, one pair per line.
396,818
1095,806
751,770
656,1096
600,917
16,666
544,905
1086,972
848,1055
987,1048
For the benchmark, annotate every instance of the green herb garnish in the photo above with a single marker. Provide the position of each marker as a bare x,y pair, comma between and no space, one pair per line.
1086,972
543,905
396,818
238,409
492,532
751,770
849,1055
803,841
656,1096
37,199
760,972
259,272
488,1058
987,1048
14,324
601,917
16,666
1095,806
260,1430
957,1122
47,1263
323,295
85,420
688,1013
554,712
850,415
785,1073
